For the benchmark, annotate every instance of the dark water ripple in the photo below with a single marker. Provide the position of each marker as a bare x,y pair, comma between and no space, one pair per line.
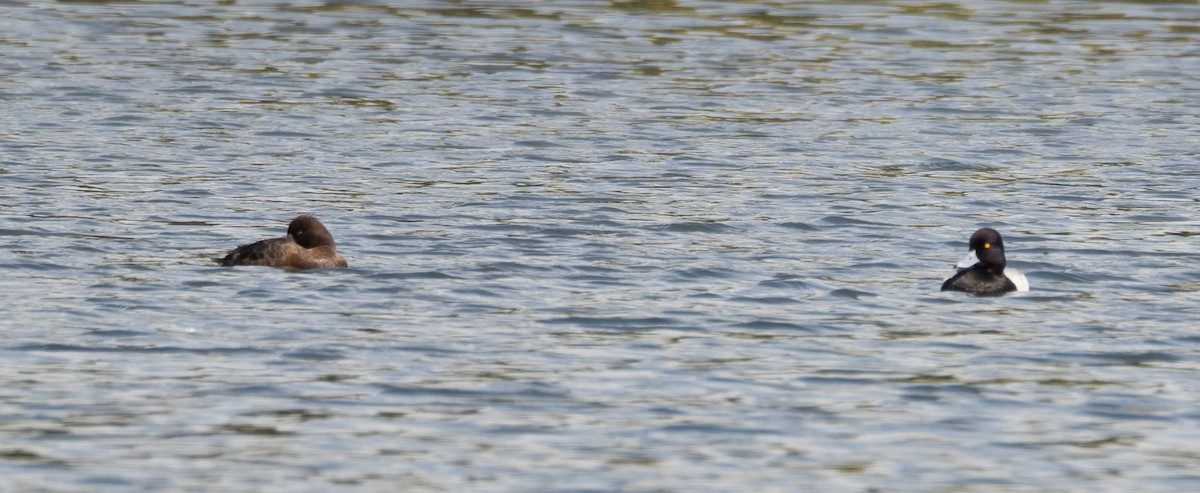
629,246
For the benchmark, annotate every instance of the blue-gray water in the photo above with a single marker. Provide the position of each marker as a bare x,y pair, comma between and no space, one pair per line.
599,246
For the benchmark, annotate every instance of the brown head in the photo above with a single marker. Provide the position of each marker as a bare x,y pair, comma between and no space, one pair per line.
308,232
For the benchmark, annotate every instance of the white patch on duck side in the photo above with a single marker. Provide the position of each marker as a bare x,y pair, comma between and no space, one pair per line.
1017,278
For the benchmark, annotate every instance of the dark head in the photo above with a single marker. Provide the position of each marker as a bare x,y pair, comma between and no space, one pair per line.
988,249
308,232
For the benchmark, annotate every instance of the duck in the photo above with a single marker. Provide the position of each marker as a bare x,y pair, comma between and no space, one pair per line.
984,271
308,245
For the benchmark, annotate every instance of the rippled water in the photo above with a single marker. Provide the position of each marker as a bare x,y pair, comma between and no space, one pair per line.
597,246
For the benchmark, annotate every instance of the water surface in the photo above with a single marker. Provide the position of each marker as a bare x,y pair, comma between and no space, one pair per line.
599,246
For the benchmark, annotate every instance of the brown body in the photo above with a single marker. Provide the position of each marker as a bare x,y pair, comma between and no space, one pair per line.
308,245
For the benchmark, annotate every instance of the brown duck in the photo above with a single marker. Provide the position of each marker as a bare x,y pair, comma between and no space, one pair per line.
308,245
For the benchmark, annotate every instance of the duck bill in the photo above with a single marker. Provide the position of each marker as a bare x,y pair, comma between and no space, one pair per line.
969,261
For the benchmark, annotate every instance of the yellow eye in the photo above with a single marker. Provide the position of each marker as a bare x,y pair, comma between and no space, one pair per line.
987,245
